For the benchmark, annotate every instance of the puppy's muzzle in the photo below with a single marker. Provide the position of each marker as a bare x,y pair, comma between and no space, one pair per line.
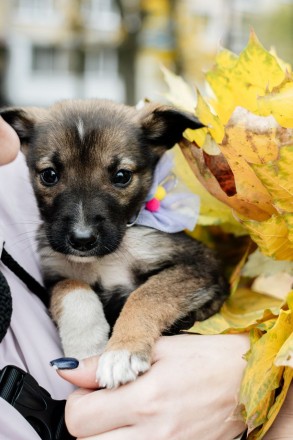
83,239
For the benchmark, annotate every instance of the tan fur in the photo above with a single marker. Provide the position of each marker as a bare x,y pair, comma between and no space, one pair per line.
150,309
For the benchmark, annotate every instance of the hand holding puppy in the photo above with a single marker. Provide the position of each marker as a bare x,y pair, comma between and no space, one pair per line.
189,393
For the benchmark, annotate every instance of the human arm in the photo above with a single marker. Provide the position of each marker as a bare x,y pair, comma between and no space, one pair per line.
9,143
190,392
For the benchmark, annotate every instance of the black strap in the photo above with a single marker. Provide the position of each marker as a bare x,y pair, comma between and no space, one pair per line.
5,294
5,306
34,403
25,277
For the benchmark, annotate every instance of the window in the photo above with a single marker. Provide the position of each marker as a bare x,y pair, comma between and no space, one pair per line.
50,59
91,7
35,10
103,62
102,15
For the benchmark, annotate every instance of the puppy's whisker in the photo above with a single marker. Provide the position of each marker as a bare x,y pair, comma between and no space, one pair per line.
21,243
29,223
26,221
32,232
24,236
124,254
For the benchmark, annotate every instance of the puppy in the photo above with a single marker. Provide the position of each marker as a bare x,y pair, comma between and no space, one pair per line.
92,164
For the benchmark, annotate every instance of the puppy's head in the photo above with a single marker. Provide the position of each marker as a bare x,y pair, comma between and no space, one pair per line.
91,165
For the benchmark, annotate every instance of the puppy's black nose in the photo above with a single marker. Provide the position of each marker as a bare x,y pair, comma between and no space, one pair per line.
82,239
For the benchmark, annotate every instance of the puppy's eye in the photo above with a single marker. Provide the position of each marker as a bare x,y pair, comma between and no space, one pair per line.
49,177
122,178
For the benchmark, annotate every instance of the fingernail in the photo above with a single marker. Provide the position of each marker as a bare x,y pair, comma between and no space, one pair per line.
65,363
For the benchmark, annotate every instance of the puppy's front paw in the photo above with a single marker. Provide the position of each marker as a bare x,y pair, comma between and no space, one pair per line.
83,328
118,367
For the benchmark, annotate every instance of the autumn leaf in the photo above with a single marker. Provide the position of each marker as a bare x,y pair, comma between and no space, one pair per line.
241,80
223,100
285,354
248,128
275,407
235,277
268,374
242,311
255,72
279,103
255,204
256,138
272,237
212,122
276,175
242,163
262,377
212,211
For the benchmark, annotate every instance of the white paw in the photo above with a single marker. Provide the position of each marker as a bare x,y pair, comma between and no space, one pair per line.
119,367
83,328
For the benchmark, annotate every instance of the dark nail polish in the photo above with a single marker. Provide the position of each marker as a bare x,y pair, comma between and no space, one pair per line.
65,363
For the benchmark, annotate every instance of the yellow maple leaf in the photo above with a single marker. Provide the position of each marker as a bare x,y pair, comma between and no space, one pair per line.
276,175
289,222
255,72
222,99
237,272
256,138
212,211
275,407
243,159
276,349
240,313
242,80
279,103
272,237
212,122
253,201
262,377
285,355
248,120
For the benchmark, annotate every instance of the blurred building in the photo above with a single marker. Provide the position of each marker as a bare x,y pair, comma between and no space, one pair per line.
54,49
62,49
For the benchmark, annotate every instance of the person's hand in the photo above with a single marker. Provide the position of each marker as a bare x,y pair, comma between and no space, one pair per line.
189,393
9,143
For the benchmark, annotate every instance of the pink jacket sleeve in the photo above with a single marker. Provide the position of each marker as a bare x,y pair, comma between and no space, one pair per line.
32,339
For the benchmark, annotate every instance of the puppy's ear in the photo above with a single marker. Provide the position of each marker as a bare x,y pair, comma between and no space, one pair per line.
20,121
163,126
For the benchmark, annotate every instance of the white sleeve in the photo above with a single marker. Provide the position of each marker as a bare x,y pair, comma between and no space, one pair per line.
32,339
13,425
